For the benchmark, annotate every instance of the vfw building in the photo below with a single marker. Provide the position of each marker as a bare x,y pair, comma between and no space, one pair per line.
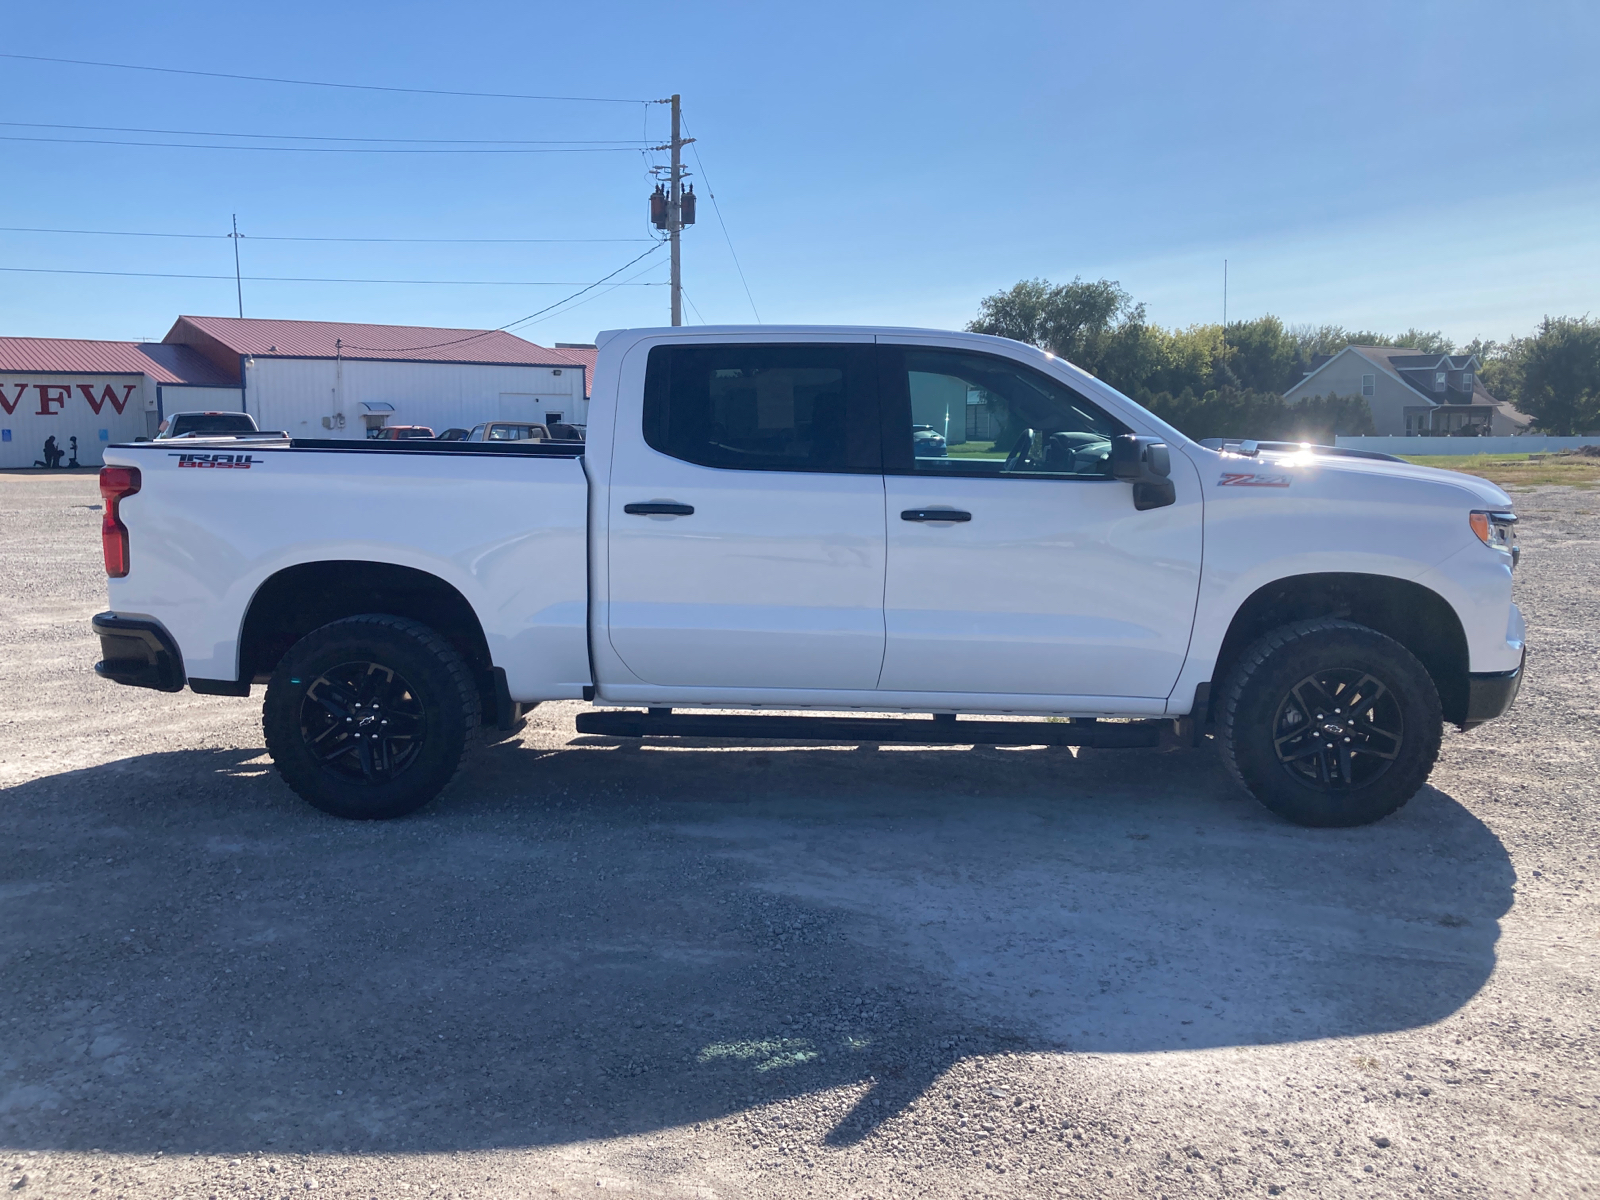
321,379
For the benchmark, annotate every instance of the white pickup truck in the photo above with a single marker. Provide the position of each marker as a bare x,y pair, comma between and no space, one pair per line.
755,524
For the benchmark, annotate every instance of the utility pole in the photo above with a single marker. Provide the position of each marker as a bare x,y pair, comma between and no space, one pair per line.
238,285
675,212
671,208
1224,310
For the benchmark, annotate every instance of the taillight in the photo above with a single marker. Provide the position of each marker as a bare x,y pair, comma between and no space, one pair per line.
116,483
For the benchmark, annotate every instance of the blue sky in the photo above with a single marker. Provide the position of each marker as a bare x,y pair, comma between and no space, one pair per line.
1377,165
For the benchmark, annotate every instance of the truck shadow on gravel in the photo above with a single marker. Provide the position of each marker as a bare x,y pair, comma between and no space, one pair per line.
598,938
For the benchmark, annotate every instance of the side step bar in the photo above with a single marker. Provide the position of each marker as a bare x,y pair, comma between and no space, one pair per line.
940,730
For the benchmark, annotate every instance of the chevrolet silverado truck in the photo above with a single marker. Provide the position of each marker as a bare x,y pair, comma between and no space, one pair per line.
758,540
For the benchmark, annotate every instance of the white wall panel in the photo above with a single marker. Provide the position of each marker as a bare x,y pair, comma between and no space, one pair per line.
37,406
295,394
177,397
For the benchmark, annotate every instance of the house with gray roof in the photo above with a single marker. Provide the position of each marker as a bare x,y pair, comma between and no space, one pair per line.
1411,393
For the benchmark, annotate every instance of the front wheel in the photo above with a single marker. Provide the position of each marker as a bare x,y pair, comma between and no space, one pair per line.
1329,723
370,717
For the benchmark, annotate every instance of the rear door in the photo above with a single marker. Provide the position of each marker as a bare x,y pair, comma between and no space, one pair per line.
746,524
1017,566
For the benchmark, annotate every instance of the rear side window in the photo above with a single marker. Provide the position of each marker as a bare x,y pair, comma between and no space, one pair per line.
214,423
764,408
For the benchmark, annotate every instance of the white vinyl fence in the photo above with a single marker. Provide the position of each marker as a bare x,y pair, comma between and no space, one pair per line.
1531,444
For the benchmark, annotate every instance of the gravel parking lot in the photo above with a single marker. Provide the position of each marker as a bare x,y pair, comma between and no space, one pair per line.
708,971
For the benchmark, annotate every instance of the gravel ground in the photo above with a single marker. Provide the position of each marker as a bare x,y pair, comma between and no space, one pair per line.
707,971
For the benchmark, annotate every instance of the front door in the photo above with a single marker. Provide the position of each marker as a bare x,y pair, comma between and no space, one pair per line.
1043,579
746,527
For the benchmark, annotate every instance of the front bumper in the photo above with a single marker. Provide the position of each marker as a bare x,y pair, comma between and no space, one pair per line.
1491,693
138,652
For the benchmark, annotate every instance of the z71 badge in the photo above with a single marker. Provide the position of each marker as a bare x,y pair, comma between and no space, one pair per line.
1249,479
234,462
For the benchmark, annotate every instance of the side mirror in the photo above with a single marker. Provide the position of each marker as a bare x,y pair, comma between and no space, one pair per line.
1145,462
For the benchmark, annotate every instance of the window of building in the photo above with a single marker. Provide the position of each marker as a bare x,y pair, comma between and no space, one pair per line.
1466,381
1368,384
1438,381
764,408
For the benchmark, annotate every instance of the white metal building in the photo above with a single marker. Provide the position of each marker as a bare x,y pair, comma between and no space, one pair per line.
320,379
336,380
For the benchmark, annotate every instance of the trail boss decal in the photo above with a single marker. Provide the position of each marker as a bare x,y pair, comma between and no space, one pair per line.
235,462
1250,479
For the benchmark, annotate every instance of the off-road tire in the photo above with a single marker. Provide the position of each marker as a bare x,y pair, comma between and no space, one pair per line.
1260,703
438,695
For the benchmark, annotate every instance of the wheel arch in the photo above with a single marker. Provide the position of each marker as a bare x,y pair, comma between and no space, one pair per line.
1417,617
297,599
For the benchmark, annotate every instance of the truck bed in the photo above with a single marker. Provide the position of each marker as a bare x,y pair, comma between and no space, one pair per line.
505,525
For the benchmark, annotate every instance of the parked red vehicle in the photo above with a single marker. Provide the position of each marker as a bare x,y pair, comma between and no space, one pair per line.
397,433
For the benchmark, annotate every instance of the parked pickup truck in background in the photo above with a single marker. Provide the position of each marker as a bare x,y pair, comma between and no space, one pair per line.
750,527
205,424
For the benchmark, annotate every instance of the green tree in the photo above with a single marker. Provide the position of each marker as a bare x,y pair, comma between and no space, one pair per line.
1266,416
1092,325
1098,326
1559,369
1263,355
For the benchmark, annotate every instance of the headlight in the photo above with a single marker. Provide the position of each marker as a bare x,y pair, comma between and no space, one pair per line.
1498,531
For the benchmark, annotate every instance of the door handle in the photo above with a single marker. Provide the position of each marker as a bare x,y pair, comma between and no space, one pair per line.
659,510
954,515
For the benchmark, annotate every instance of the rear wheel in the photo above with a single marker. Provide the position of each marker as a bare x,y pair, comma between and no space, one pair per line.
370,717
1329,723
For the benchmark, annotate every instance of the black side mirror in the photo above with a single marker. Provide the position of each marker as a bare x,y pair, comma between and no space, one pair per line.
1146,463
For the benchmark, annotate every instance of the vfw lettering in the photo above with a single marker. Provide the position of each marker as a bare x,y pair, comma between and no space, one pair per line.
53,397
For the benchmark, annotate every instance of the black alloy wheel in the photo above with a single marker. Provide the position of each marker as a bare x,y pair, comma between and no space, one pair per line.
369,717
363,721
1339,728
1329,723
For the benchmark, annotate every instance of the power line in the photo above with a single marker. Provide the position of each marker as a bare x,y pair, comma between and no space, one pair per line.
278,238
596,296
11,137
690,301
630,143
717,208
305,278
359,87
509,325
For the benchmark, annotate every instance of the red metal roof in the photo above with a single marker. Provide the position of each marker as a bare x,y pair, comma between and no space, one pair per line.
328,339
585,355
162,362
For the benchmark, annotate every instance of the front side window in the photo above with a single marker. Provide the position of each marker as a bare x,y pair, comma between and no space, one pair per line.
764,408
981,415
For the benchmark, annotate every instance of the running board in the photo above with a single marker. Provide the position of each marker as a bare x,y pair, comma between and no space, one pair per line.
940,730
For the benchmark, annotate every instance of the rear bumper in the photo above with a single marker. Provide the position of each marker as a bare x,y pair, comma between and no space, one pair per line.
1491,693
138,652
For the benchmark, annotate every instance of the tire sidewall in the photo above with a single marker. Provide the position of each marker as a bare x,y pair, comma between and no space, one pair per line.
1263,684
403,647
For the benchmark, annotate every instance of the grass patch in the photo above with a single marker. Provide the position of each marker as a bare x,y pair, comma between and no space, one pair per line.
975,450
1516,470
